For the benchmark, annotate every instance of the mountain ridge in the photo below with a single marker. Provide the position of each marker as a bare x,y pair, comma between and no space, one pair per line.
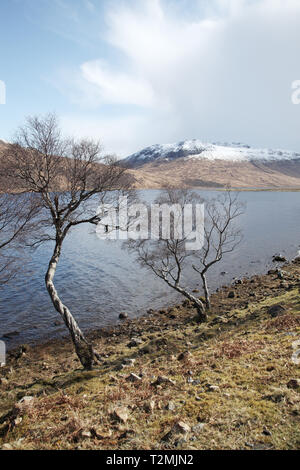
196,149
193,164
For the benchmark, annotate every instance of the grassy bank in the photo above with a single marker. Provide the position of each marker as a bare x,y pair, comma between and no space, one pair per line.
166,381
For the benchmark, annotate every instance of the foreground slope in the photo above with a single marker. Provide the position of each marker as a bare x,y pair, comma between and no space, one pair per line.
227,384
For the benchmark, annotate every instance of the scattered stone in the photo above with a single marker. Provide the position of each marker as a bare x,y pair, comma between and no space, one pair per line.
120,415
134,343
128,362
231,295
123,316
266,432
18,420
85,434
276,397
184,356
163,380
212,388
170,406
198,428
133,378
276,310
272,271
279,259
149,407
3,381
293,383
179,428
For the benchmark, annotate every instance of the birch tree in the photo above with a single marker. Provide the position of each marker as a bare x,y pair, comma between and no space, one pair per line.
67,176
167,257
18,217
222,235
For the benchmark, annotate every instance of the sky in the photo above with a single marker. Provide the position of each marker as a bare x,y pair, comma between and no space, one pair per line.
133,73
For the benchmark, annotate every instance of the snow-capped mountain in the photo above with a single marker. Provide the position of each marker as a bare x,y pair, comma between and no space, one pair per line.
195,149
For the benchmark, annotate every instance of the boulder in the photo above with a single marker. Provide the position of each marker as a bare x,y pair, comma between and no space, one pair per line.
279,259
123,316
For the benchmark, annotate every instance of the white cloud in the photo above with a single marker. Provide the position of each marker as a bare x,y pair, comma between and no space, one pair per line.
224,74
117,88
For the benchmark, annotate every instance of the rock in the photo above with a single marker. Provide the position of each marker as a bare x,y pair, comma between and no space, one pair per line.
24,404
149,407
134,343
170,406
184,356
123,316
272,271
284,285
212,388
133,378
85,434
18,420
266,432
293,383
231,295
150,311
128,362
198,428
120,415
276,310
3,381
276,396
163,380
279,259
180,428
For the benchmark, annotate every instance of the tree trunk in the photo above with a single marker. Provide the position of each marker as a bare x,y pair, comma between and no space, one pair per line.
83,349
197,303
206,291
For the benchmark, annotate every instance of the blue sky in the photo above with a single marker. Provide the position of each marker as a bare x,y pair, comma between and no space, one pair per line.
137,72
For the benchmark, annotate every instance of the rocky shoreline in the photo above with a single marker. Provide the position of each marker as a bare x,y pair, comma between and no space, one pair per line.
236,295
166,381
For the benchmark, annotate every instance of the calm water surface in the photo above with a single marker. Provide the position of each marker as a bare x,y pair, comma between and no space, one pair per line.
97,279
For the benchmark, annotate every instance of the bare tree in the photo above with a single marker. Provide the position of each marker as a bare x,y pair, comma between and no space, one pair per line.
167,257
18,214
221,235
67,176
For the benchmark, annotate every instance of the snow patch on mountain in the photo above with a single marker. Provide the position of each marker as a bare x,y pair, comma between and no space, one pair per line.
195,149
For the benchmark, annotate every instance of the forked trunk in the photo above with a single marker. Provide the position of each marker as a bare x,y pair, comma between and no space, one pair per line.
83,348
197,303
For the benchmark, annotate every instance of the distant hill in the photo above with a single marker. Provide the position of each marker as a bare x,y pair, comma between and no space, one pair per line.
195,164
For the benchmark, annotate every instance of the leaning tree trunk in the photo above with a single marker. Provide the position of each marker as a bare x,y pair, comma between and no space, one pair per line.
196,302
206,291
83,348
